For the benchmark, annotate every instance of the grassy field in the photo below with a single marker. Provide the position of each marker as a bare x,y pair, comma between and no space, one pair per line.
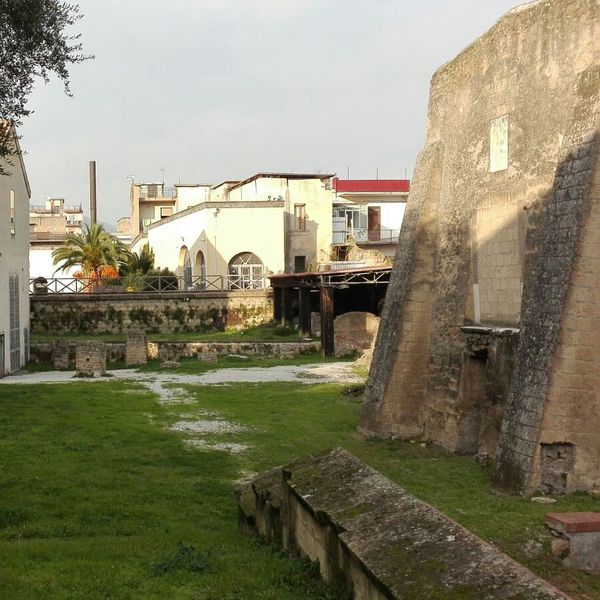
101,500
261,333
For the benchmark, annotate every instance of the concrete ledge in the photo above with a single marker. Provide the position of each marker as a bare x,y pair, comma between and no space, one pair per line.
373,539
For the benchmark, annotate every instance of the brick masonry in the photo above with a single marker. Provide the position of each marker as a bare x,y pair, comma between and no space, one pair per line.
154,313
515,247
62,359
44,352
90,359
136,352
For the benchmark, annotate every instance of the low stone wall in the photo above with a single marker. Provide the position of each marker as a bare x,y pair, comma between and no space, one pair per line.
154,313
375,541
43,352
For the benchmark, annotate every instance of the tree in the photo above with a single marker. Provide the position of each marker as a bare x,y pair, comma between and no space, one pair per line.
139,263
96,250
34,43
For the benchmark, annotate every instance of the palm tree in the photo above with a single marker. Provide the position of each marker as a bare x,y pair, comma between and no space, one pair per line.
139,263
94,250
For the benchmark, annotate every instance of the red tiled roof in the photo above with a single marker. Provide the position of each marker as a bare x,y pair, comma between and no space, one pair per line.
371,185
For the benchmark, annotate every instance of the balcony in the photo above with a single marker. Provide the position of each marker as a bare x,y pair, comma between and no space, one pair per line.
364,235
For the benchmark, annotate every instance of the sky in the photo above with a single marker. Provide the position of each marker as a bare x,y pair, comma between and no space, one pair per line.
214,90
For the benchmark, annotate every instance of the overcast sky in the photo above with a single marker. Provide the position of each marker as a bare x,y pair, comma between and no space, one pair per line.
220,89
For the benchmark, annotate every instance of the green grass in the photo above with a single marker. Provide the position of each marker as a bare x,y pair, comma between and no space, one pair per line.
100,501
260,333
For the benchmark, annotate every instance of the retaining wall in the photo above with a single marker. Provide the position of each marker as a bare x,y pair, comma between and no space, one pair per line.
43,352
373,540
154,313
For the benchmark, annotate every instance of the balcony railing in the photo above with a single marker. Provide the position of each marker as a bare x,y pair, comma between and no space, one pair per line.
152,284
366,236
157,192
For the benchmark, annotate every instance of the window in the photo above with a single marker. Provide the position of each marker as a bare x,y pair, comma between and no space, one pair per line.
166,211
246,272
299,264
300,216
12,213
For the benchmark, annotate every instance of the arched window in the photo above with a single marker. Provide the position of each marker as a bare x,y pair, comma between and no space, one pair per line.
185,267
246,271
200,270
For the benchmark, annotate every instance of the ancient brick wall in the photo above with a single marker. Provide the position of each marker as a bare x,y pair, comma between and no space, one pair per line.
155,313
515,115
135,348
90,359
554,399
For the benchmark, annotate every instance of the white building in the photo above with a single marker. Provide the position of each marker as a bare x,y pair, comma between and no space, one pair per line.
268,223
369,213
14,265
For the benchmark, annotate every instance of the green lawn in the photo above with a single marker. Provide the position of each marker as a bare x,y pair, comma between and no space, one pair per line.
99,500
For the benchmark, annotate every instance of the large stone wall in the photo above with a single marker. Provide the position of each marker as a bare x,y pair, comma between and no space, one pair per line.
154,313
501,232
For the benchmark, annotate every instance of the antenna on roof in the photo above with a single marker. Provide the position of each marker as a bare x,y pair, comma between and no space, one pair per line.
348,176
377,175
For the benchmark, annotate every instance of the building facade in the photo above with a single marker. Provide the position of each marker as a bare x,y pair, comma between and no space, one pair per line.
14,266
55,219
270,223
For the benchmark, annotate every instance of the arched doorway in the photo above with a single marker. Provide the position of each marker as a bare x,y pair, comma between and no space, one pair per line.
246,271
185,267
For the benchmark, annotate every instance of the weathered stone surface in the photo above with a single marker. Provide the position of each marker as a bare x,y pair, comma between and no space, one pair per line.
375,540
116,351
61,356
135,349
90,359
354,332
208,357
502,231
578,541
170,364
163,313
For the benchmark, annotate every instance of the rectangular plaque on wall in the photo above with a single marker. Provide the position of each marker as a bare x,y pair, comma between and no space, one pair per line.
499,144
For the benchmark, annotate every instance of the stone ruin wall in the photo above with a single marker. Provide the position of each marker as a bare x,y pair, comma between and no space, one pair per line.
155,313
90,359
510,142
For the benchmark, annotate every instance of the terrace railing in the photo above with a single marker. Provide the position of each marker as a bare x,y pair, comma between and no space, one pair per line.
151,284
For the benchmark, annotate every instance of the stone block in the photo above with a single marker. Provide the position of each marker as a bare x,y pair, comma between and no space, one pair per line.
372,539
578,539
62,360
208,357
135,349
354,332
90,359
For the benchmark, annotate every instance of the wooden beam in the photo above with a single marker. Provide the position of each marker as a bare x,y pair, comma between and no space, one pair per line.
305,325
327,312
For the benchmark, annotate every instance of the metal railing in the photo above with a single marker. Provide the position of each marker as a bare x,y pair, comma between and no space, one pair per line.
153,284
366,236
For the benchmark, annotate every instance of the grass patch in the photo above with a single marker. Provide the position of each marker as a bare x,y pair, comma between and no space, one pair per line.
99,500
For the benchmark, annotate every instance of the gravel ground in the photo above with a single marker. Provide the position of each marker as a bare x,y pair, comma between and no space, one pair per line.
308,374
